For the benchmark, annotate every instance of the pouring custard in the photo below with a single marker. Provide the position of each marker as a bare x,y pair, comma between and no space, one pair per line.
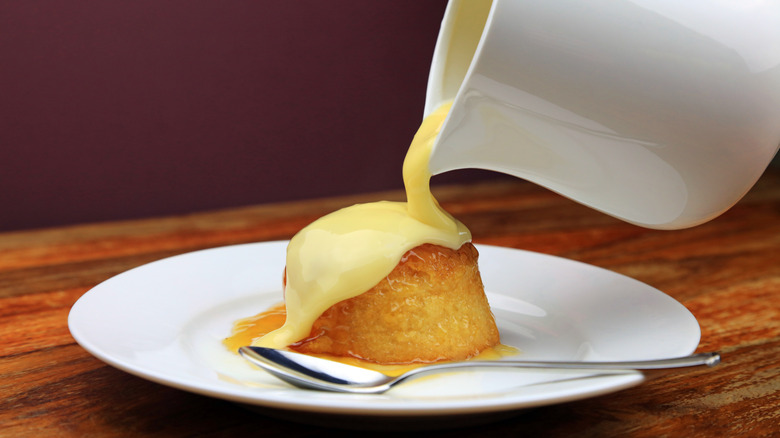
386,282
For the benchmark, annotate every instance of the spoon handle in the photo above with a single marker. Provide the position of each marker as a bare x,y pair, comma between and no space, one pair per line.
701,359
708,359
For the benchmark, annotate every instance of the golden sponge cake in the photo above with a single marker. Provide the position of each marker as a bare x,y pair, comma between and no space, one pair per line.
431,307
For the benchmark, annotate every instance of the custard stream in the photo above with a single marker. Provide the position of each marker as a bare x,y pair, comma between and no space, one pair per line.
348,252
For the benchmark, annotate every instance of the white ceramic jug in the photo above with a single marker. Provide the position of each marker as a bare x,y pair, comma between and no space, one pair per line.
660,112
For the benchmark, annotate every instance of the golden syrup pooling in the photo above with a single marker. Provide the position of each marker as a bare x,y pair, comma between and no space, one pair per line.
248,329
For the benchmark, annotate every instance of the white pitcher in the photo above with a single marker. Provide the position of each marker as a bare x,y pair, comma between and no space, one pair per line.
660,112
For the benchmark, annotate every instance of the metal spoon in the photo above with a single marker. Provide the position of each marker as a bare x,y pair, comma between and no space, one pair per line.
315,373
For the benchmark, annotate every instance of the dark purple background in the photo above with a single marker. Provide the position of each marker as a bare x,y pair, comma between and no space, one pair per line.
126,109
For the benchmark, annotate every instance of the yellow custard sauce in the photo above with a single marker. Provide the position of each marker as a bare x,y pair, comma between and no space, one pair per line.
348,252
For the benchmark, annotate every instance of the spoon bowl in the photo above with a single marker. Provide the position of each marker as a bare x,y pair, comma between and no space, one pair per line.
311,372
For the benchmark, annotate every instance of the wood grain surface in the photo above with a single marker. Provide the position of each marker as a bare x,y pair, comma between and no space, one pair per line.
725,271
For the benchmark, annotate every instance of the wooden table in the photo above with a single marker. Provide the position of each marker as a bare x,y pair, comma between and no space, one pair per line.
726,272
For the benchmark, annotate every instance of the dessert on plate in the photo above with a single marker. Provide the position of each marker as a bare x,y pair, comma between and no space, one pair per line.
385,282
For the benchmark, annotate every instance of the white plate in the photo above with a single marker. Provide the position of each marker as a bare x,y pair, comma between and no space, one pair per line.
165,321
